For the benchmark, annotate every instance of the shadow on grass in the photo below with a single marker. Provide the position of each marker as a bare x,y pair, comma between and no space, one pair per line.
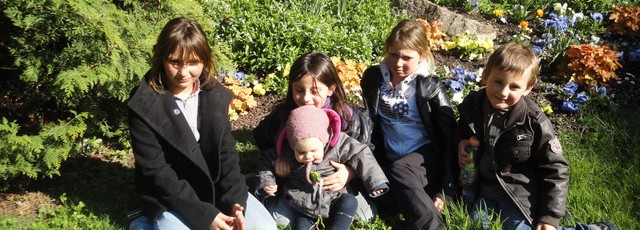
106,188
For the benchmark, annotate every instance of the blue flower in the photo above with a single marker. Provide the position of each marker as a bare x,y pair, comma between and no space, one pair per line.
537,49
553,16
602,90
471,76
571,107
597,17
240,76
570,88
634,55
473,4
540,42
459,70
455,86
582,97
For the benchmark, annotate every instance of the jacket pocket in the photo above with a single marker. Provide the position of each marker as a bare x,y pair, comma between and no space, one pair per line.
516,147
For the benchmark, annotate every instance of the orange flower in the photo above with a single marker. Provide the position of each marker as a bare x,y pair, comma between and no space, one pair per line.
524,25
539,13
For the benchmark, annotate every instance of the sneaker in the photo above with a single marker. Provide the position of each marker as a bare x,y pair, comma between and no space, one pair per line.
607,225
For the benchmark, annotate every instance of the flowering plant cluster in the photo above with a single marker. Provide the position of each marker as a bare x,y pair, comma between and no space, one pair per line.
460,82
587,64
239,84
626,20
434,34
574,98
350,72
470,46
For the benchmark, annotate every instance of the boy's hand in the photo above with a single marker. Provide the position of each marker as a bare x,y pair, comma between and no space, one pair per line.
270,189
222,222
463,155
377,192
281,167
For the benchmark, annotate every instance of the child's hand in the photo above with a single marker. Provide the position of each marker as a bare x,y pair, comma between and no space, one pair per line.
377,192
543,226
438,202
281,167
270,189
463,155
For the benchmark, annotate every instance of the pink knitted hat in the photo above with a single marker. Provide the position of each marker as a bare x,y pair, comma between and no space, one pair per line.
307,121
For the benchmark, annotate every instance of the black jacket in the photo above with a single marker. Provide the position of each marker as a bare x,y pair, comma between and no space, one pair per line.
436,114
172,170
528,160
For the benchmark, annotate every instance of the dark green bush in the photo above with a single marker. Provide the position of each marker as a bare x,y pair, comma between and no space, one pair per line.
266,34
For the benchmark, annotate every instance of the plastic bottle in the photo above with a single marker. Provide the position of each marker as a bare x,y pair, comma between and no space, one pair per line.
468,173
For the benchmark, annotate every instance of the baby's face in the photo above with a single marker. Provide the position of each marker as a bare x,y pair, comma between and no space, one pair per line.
308,150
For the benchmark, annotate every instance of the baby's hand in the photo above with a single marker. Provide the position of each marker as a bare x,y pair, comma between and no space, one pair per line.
270,189
377,192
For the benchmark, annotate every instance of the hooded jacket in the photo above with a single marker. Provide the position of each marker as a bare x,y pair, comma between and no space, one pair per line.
310,199
528,160
436,115
172,170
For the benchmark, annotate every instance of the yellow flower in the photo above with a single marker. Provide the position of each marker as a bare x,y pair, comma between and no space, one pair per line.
259,90
233,115
547,109
498,13
524,25
539,13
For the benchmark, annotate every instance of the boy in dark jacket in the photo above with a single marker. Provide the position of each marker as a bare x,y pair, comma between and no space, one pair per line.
522,173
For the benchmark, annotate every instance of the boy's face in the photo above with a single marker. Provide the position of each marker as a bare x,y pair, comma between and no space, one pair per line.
308,91
505,89
308,150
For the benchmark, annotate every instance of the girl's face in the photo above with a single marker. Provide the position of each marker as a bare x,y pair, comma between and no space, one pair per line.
403,61
308,150
181,74
505,90
308,91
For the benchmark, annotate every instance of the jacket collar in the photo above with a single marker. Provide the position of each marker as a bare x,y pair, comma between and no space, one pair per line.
164,117
473,108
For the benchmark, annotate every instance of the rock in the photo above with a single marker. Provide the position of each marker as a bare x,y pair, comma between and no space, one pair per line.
452,22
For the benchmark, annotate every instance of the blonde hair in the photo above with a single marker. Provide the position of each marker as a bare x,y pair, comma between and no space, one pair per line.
181,39
513,58
411,34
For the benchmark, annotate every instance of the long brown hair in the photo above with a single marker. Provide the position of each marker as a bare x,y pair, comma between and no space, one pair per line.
320,67
185,38
411,34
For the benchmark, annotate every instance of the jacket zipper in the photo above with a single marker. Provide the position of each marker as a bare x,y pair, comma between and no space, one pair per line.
496,171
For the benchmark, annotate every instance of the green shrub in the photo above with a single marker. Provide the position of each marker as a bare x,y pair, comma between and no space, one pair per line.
265,35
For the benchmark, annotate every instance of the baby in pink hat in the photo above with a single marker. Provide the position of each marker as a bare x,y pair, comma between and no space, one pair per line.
314,139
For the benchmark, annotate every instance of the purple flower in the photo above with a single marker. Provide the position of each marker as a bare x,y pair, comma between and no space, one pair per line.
571,107
570,88
537,49
597,17
455,86
459,70
582,97
540,42
602,90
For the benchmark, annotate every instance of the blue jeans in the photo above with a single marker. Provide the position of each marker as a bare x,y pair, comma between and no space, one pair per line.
284,214
341,215
509,213
256,217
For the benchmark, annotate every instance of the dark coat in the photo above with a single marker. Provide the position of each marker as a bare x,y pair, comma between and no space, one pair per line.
527,156
172,170
436,115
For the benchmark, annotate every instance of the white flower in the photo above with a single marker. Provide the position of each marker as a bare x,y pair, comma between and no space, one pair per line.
457,97
503,20
578,17
560,8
